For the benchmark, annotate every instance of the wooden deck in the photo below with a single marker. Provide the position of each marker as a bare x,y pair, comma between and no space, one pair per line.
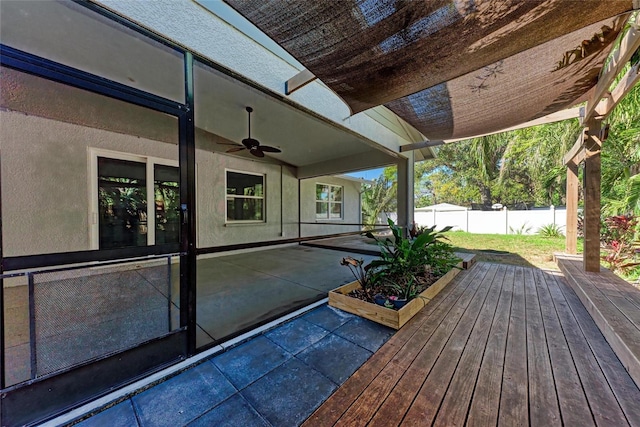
613,304
501,345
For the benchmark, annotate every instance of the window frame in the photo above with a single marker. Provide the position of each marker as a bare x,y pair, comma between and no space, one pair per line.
234,196
93,215
329,202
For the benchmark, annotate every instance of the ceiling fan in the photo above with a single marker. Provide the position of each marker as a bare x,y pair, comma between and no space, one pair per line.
253,145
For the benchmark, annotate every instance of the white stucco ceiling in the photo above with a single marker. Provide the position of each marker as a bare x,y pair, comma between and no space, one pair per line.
220,103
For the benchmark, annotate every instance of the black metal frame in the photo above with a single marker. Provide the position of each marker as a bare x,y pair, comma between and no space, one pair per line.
2,341
299,210
32,326
342,223
41,67
54,259
34,401
265,243
187,161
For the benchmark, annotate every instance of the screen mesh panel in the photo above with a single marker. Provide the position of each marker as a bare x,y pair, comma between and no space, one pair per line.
84,314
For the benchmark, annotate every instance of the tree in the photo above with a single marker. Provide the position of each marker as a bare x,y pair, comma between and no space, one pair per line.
621,157
472,163
535,161
378,198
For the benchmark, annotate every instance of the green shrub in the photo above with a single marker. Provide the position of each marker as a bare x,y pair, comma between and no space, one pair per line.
551,230
524,229
405,264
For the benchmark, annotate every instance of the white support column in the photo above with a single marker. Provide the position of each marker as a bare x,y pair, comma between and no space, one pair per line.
405,190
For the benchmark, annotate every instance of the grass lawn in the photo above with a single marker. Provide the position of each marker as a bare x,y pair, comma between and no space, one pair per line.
516,249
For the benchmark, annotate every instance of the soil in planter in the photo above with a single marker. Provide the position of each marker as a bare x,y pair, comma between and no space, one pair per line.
423,282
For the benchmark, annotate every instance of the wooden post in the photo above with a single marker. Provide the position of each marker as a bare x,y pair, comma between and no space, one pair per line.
592,175
571,243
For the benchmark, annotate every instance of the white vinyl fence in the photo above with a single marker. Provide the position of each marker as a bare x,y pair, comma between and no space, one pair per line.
493,222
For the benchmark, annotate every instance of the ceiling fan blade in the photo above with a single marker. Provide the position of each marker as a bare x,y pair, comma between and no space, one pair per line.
268,149
227,143
233,150
257,152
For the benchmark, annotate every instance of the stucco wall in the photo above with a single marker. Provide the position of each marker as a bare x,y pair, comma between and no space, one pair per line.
350,205
211,201
45,180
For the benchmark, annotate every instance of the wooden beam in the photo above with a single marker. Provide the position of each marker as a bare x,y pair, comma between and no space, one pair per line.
592,143
419,145
579,151
571,243
579,158
577,147
592,192
558,116
625,85
629,44
299,80
570,113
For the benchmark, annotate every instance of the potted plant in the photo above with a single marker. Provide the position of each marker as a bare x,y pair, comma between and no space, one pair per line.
396,285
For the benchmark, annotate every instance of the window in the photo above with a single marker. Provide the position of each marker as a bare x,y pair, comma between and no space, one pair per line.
134,208
122,203
328,201
245,197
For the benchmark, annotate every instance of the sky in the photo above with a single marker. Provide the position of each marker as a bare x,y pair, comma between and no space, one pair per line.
371,174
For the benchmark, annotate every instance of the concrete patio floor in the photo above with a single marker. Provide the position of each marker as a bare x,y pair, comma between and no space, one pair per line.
237,292
277,378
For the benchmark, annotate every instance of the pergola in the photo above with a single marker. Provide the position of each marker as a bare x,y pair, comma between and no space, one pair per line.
460,69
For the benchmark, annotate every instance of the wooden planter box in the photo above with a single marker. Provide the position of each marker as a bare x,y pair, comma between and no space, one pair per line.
395,319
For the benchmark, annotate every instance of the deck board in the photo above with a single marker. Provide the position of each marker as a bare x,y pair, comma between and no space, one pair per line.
574,407
500,345
458,397
427,402
604,407
622,386
486,396
514,379
543,398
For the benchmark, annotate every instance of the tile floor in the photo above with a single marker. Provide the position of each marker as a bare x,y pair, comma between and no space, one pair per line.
275,379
